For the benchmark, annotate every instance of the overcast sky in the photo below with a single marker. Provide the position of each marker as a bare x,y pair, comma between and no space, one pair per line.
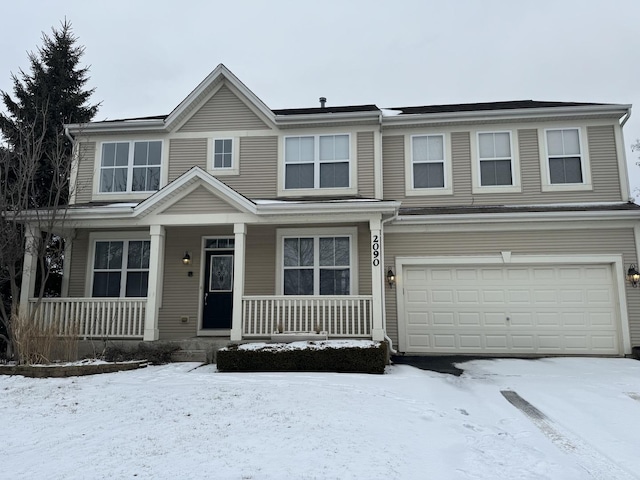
146,56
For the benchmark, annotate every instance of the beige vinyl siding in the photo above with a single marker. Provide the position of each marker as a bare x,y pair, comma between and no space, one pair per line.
181,293
185,153
365,164
260,269
393,167
223,111
547,242
258,168
364,260
605,174
200,200
79,261
84,178
602,154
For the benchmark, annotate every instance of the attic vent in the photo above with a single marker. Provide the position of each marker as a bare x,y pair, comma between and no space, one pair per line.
323,101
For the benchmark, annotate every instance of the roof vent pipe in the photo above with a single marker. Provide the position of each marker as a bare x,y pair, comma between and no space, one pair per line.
323,101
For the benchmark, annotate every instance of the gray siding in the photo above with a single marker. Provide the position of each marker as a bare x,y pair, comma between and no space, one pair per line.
181,294
200,200
258,168
393,167
365,164
84,179
260,269
224,111
600,241
186,153
605,174
602,154
79,260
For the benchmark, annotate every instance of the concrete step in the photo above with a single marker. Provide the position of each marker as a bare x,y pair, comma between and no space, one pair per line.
190,356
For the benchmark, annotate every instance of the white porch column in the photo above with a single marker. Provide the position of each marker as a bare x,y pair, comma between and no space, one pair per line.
240,232
29,265
154,291
377,273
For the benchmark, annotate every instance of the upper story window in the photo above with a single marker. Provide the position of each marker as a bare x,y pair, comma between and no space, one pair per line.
494,154
564,159
496,167
317,161
427,157
224,156
564,156
130,166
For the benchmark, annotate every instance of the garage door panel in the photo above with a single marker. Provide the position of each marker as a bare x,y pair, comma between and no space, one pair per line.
442,297
523,309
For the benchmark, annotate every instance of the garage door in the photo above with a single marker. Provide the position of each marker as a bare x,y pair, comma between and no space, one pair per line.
510,310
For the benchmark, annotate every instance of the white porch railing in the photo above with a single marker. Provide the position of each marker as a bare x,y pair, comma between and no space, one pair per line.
92,317
340,316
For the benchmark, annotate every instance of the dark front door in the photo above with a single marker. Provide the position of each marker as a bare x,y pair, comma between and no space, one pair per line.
218,290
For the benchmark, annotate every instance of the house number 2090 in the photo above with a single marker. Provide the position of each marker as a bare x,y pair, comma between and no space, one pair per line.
375,250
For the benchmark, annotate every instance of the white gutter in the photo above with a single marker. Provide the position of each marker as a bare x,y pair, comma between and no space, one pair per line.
384,306
157,125
516,217
626,118
311,118
507,114
360,207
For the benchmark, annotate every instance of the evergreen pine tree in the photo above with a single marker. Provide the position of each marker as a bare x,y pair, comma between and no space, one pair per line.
48,96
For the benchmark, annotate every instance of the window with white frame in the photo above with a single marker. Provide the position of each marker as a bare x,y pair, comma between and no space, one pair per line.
495,158
428,161
120,268
317,161
564,156
317,265
130,166
222,153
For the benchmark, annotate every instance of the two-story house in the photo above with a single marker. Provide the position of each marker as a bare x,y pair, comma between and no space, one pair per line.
489,228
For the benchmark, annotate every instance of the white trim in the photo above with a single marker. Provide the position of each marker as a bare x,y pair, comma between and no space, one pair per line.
585,163
351,232
616,261
621,154
234,169
410,190
477,187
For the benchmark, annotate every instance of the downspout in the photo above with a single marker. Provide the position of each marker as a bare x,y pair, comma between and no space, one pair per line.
626,117
68,135
384,306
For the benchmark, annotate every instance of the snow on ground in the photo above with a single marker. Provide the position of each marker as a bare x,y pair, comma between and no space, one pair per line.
181,421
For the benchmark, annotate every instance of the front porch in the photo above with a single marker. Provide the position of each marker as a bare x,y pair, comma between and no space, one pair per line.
124,318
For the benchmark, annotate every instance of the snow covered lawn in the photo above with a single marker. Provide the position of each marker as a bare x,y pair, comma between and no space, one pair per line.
179,421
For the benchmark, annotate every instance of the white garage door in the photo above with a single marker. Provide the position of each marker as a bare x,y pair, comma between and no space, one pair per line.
512,310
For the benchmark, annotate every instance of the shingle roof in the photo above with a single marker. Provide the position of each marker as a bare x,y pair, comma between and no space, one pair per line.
463,210
331,109
472,107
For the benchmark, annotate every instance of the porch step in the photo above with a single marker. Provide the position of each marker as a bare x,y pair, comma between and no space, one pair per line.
190,356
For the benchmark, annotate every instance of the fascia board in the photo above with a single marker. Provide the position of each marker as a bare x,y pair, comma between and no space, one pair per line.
313,118
515,217
515,114
195,174
155,125
318,208
219,71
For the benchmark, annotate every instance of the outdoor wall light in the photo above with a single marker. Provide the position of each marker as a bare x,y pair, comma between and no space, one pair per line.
391,278
186,260
633,275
